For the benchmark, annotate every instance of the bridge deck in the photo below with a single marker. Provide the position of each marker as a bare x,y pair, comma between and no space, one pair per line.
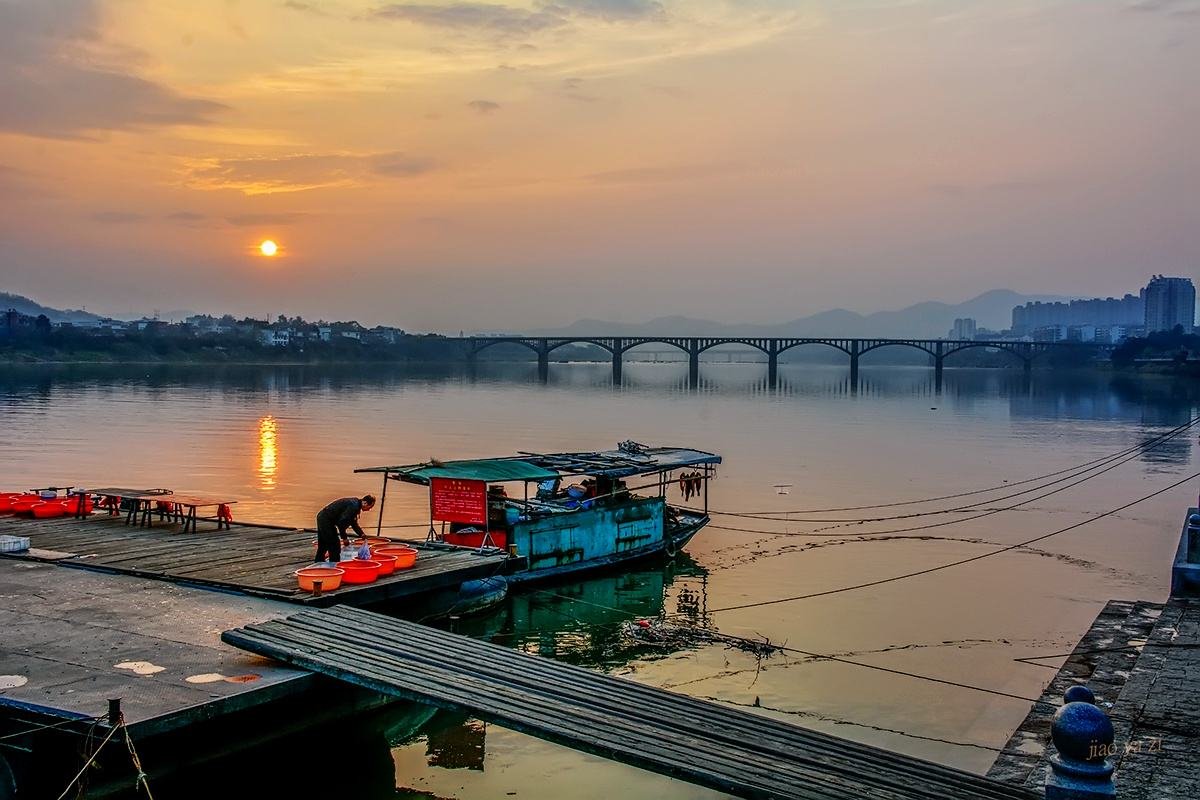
712,745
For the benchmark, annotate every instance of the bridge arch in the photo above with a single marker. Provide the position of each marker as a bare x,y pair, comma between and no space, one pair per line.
1026,354
627,344
757,344
479,345
827,342
877,345
554,344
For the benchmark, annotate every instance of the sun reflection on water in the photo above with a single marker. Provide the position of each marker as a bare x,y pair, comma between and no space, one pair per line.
268,452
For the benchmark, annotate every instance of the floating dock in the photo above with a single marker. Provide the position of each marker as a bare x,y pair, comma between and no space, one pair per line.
712,745
255,560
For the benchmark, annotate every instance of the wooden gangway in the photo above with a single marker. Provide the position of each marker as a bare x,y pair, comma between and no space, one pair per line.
712,745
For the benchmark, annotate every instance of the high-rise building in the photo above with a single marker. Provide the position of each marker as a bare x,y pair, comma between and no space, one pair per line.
1127,311
964,329
1170,302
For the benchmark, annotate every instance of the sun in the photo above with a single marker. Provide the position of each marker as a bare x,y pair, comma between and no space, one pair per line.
268,248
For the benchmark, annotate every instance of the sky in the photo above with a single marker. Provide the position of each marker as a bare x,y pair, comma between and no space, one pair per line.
525,163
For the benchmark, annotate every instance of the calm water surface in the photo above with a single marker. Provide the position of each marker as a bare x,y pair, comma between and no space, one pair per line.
285,440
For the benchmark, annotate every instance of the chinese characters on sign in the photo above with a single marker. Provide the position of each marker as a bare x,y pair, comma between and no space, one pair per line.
457,500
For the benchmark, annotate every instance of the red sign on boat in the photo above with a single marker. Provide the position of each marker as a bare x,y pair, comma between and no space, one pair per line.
458,500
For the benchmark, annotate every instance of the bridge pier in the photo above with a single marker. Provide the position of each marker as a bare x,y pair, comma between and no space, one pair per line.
694,362
617,355
773,364
854,347
939,361
543,355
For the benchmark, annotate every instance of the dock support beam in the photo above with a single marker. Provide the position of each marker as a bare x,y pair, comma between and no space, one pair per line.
694,362
618,347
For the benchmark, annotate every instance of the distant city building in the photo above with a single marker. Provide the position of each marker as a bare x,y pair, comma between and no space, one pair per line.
1170,302
1050,333
1129,310
276,337
964,329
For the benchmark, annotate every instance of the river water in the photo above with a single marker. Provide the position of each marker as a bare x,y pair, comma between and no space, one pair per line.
285,440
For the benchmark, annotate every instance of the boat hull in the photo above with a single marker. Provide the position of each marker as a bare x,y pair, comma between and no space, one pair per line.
668,546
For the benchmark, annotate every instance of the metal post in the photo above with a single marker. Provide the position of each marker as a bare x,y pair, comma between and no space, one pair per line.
382,501
114,712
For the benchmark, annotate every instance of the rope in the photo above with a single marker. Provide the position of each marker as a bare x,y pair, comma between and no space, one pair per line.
40,728
91,760
137,762
960,562
773,514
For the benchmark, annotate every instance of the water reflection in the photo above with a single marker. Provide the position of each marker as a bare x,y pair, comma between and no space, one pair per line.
267,452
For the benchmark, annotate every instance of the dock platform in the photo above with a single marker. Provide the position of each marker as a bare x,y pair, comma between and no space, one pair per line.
1142,660
250,559
726,749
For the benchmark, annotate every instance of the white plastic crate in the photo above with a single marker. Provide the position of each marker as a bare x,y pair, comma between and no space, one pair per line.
13,544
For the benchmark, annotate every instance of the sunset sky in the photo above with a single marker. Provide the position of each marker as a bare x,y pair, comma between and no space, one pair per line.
525,163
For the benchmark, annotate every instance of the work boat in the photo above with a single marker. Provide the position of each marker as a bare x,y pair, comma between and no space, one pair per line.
558,514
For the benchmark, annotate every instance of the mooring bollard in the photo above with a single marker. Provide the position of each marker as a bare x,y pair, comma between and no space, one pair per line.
1083,735
114,711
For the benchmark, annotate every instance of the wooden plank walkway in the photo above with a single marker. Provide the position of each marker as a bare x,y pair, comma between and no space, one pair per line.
705,743
251,559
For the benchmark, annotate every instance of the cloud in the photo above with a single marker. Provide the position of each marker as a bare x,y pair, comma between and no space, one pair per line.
117,217
55,81
253,220
307,8
486,17
614,10
505,20
484,106
1179,8
186,216
303,171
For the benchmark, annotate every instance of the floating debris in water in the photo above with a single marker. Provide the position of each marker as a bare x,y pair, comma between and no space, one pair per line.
659,633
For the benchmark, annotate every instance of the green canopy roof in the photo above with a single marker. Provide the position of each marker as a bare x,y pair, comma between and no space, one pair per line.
488,469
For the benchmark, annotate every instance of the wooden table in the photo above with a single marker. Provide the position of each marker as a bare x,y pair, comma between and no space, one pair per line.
185,510
111,497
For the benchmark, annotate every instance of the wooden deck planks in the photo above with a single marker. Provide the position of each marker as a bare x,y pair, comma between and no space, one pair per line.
249,558
716,746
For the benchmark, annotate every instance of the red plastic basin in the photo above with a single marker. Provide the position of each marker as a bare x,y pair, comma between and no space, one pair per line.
48,510
387,562
359,570
330,578
405,556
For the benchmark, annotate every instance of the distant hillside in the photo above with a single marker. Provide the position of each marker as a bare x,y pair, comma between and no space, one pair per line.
930,319
27,306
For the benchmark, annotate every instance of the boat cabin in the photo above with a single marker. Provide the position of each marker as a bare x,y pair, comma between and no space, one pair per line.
561,512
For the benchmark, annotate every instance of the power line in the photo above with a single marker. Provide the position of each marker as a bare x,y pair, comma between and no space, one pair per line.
1096,472
773,514
960,562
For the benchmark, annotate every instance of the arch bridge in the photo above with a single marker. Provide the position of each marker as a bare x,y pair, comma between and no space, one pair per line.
692,346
